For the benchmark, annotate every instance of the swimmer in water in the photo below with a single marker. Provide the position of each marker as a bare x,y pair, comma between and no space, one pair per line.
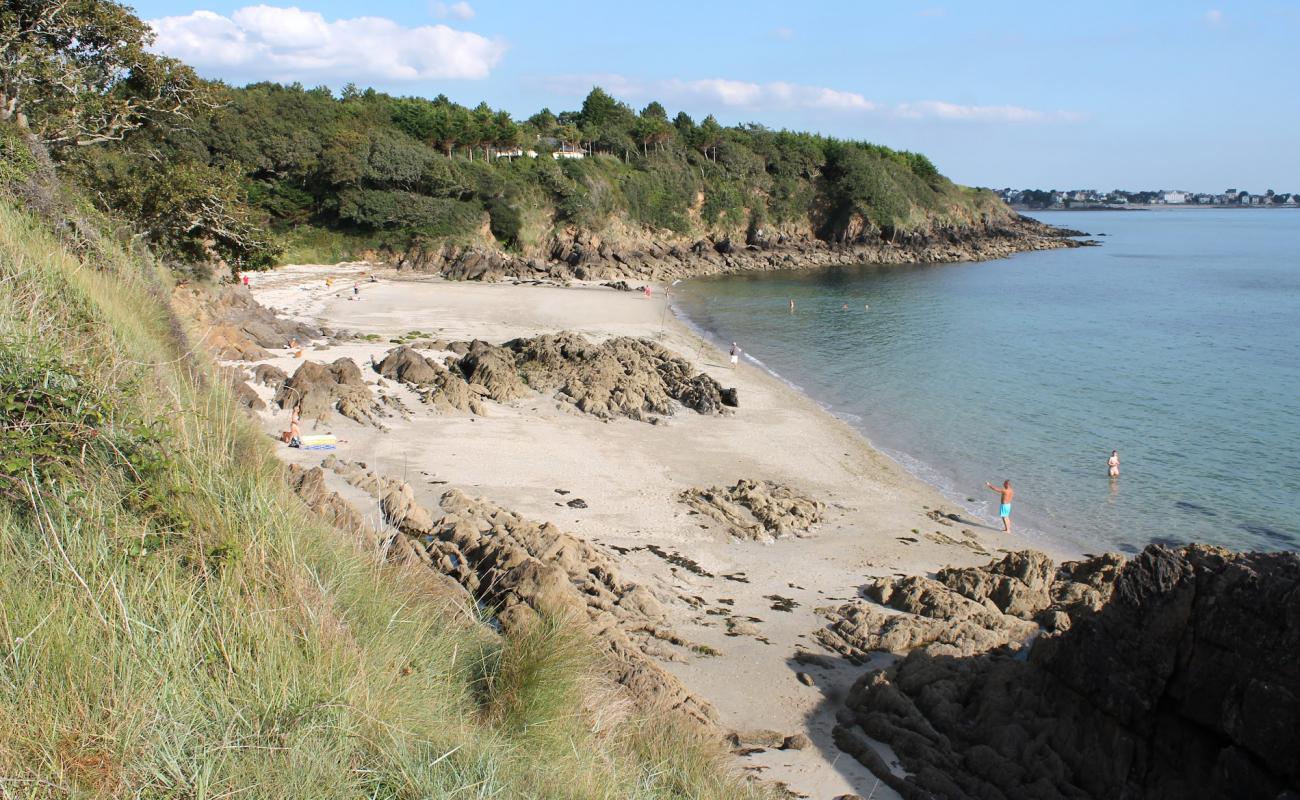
1112,464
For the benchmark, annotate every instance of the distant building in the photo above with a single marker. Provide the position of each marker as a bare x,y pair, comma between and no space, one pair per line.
1175,198
568,151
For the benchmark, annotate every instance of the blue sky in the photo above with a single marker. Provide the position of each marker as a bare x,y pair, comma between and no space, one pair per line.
1156,94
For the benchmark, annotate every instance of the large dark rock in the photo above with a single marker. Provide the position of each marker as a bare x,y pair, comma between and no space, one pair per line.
436,385
408,365
1173,675
618,377
317,389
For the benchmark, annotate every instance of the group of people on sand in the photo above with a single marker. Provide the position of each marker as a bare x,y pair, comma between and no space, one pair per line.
1006,494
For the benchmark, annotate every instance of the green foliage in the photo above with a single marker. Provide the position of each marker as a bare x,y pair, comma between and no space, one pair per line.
658,193
251,163
80,71
17,165
368,162
378,208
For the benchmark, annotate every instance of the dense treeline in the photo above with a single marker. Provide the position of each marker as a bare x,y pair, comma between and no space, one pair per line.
237,171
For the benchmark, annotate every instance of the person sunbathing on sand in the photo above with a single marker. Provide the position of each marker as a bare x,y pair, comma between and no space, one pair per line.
1004,510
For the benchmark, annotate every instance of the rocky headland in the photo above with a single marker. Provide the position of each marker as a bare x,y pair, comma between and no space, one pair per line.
580,254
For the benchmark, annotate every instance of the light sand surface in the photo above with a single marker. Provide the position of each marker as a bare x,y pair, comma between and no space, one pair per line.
629,475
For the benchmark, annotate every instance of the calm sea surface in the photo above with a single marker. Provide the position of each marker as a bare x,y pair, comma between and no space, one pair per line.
1177,343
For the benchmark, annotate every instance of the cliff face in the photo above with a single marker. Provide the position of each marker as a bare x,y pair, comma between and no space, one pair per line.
585,255
1173,675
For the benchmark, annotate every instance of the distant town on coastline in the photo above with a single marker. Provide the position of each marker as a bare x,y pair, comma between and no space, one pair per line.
1092,198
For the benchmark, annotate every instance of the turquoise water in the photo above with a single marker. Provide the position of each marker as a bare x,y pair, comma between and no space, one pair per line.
1177,343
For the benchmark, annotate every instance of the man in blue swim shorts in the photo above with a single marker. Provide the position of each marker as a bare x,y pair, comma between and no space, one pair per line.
1004,510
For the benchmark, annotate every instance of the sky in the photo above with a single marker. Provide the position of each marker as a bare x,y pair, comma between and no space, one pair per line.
1155,94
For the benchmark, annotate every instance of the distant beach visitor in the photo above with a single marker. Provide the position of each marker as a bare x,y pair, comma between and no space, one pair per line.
356,290
1112,464
791,305
295,431
1004,510
735,355
245,280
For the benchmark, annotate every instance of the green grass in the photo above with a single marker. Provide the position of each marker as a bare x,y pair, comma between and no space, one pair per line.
308,244
174,623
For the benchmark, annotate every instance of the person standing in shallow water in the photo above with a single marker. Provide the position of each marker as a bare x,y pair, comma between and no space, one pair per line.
1004,508
1112,464
792,305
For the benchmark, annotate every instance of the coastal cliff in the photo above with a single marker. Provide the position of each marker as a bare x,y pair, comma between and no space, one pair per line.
583,255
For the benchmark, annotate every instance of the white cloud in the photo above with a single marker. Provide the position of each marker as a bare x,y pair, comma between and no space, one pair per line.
932,12
1214,16
936,109
460,10
287,43
776,95
722,93
717,92
782,33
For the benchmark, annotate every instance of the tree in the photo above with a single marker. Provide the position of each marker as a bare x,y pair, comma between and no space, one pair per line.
78,72
684,124
654,110
708,135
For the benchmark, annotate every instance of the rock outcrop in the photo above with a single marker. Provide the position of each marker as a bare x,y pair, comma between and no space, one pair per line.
436,385
317,389
757,509
1172,675
522,569
620,377
234,326
390,546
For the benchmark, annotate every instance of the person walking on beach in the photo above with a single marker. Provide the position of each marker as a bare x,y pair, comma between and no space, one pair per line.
1112,464
356,290
735,355
1004,509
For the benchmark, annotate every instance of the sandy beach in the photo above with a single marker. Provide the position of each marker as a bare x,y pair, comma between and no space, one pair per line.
749,606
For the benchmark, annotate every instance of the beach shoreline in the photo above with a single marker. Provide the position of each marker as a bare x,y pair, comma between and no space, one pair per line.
748,608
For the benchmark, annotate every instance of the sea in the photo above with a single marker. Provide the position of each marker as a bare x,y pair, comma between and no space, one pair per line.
1175,342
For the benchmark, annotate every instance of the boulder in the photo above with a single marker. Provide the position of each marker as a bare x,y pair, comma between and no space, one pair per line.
1173,676
757,509
317,389
270,375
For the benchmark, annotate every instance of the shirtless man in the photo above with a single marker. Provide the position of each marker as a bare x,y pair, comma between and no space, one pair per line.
1112,464
1004,510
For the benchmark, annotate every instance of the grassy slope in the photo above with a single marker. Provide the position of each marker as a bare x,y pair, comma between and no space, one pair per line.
174,623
